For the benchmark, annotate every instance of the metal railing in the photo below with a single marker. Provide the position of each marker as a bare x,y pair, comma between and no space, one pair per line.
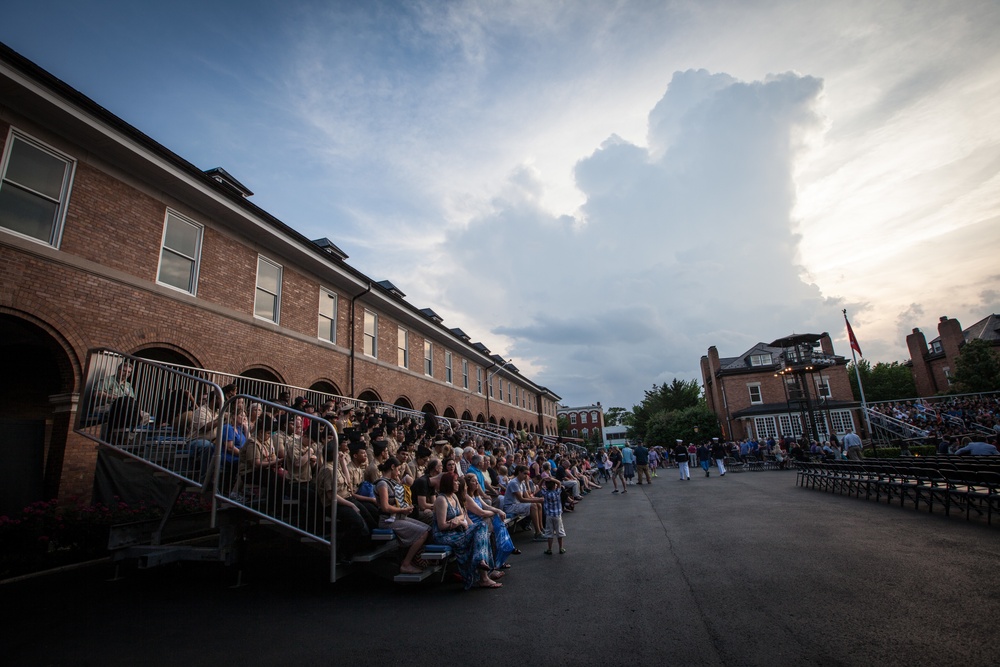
475,431
274,462
886,428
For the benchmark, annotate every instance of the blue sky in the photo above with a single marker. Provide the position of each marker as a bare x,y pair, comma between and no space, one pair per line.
599,190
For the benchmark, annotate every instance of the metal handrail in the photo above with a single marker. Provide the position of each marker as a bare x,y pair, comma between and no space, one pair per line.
167,419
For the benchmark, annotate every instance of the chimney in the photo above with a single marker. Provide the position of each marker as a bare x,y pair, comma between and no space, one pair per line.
916,343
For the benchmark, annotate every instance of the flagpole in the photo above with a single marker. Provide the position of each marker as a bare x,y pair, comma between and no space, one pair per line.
857,372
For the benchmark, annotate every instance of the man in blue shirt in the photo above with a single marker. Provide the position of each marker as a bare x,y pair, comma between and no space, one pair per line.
628,461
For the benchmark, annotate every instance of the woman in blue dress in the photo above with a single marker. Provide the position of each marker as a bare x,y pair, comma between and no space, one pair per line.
470,542
479,509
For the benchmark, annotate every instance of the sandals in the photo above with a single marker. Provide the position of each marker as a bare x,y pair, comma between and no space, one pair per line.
505,566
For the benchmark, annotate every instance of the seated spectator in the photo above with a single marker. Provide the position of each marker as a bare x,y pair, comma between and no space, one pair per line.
260,472
519,502
469,541
200,428
393,511
478,508
423,492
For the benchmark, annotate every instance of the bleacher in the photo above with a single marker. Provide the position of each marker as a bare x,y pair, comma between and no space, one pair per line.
142,430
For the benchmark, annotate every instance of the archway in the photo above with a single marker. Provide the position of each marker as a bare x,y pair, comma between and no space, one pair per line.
37,371
449,413
170,355
429,407
467,416
403,402
503,422
369,396
324,387
493,420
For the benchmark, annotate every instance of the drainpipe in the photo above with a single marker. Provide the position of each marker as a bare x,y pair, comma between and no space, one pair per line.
354,325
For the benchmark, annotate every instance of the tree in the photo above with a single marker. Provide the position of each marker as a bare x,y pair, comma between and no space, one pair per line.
615,416
667,426
678,395
562,425
882,382
977,367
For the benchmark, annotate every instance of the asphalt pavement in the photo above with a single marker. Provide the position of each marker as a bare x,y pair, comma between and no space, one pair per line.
742,570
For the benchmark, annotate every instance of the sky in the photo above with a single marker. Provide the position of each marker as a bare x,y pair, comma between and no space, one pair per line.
599,190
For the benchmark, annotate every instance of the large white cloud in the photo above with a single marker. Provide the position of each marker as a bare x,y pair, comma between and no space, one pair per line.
681,244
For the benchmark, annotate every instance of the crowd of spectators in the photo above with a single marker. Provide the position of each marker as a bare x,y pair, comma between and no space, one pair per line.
946,417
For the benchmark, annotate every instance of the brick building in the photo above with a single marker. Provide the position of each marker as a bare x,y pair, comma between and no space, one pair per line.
754,395
933,364
108,239
583,420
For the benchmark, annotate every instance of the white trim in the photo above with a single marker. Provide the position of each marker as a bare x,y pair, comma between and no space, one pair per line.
197,258
319,313
364,333
66,189
277,301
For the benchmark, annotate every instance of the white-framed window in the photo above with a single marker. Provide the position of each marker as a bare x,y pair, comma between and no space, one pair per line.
791,426
491,387
327,324
35,182
823,387
947,375
765,427
371,334
267,302
517,395
593,417
479,381
500,385
428,358
465,373
574,433
842,420
760,360
180,253
936,347
402,347
447,367
756,397
572,418
584,433
509,400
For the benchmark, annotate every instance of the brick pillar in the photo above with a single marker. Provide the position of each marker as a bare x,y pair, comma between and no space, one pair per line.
826,343
951,338
916,343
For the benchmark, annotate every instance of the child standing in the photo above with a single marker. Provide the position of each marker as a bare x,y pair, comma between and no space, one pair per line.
552,507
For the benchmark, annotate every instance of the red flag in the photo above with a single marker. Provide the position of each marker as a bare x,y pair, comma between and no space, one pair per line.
851,337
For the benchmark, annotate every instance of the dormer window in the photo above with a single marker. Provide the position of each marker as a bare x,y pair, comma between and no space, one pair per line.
760,360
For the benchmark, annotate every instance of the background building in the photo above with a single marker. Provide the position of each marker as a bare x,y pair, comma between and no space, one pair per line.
584,421
756,395
933,364
109,239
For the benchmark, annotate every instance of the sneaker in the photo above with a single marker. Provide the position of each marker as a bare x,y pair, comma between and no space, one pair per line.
562,551
548,552
538,538
626,491
615,491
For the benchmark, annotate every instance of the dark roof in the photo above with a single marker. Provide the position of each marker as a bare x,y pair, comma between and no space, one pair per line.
460,334
987,329
482,348
779,408
389,287
742,362
431,315
797,339
327,246
227,179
